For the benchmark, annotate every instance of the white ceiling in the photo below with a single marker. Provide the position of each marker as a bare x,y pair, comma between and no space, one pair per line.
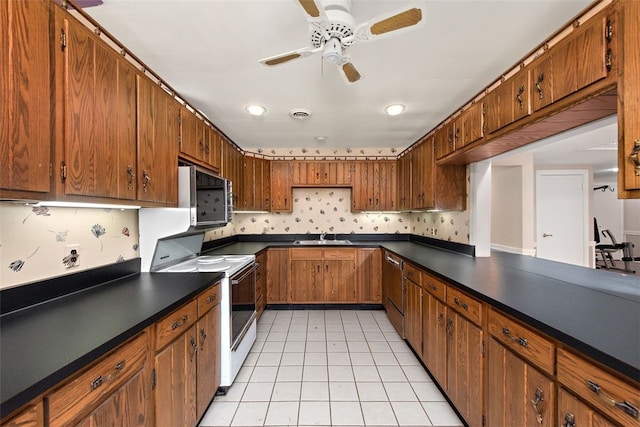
208,50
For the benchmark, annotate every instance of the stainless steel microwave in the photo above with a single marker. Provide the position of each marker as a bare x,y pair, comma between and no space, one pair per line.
208,197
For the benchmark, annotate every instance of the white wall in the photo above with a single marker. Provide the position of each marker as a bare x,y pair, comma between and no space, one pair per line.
506,208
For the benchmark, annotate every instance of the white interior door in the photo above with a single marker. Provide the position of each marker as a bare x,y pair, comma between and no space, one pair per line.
562,210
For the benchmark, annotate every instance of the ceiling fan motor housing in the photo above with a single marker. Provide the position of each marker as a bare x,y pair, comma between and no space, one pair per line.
340,24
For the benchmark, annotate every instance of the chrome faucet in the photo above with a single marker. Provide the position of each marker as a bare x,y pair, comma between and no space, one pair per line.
322,235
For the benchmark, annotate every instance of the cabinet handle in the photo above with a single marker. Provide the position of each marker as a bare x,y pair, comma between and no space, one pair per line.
635,156
131,176
625,406
519,96
112,376
608,59
145,180
175,325
211,298
537,404
194,349
569,420
450,327
432,286
464,305
538,87
203,337
440,317
519,340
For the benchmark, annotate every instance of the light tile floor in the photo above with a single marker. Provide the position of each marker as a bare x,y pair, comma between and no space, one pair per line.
330,368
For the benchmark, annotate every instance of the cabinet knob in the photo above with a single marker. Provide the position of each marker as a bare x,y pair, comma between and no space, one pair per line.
538,87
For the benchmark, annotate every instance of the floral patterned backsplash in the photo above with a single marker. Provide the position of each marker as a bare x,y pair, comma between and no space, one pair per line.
326,153
329,210
37,243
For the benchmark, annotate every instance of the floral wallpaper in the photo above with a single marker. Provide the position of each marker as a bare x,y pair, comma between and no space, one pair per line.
43,242
329,210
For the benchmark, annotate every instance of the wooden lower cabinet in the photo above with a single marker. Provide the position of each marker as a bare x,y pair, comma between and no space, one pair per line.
31,416
208,358
112,391
277,275
518,395
261,283
306,281
572,412
175,387
465,367
369,275
434,337
413,315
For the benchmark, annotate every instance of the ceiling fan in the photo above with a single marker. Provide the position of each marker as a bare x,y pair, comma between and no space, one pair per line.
333,30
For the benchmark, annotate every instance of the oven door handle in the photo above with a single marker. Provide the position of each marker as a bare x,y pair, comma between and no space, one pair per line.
254,267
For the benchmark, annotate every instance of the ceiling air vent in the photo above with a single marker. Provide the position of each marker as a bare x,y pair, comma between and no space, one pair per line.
300,114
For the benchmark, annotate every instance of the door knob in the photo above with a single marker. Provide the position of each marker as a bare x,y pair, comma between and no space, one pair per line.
546,235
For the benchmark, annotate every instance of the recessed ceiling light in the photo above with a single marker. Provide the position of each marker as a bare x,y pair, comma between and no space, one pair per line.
256,110
321,139
394,109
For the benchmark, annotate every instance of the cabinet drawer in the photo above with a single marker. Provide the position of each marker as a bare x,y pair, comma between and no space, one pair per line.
523,341
299,253
342,254
174,324
612,396
80,395
412,273
208,299
434,286
465,305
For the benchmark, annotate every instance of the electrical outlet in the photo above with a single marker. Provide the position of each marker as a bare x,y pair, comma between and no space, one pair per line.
72,255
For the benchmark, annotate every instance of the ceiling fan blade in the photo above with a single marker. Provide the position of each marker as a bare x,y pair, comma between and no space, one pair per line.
389,23
350,72
313,9
289,56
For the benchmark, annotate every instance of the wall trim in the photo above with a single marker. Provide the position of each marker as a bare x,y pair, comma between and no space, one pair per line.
513,249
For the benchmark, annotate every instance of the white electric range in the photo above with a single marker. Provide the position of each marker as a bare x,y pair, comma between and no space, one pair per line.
178,254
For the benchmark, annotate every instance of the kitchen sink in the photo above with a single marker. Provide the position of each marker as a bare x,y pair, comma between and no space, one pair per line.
323,242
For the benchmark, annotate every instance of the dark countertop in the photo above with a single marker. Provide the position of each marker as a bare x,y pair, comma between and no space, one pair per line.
594,311
42,345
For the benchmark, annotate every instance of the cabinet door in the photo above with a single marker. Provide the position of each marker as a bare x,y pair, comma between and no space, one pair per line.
25,93
208,359
498,107
413,315
189,133
574,413
471,124
128,406
542,83
362,198
277,276
518,394
340,281
248,177
215,142
158,137
464,367
306,281
175,390
266,185
434,337
369,275
280,187
404,181
629,102
385,189
99,95
520,95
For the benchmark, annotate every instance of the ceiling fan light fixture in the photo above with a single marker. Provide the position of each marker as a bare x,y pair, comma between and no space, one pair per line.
255,109
394,109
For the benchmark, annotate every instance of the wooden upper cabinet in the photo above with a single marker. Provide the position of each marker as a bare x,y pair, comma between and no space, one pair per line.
445,139
405,166
321,173
509,102
188,133
422,175
198,141
249,183
573,64
470,125
281,193
25,93
158,136
629,101
98,88
374,185
215,145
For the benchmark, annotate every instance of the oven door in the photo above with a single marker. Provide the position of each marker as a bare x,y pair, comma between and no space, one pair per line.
243,302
